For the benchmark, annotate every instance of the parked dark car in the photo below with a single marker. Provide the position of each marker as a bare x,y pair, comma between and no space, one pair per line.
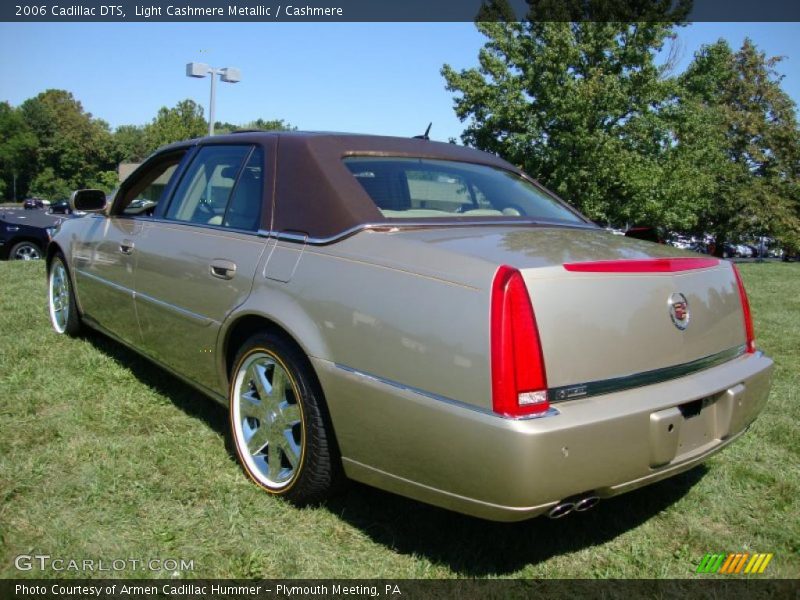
729,251
60,207
25,235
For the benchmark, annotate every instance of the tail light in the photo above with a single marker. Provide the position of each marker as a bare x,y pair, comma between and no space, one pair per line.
748,318
519,381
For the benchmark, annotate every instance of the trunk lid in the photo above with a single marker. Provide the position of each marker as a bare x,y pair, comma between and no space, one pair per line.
615,323
596,326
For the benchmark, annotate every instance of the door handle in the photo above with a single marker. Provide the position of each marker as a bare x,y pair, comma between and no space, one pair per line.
223,269
126,247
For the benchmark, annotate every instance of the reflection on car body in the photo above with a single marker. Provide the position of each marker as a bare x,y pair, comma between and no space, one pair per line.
417,316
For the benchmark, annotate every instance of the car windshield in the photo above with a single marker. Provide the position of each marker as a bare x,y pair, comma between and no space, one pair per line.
413,188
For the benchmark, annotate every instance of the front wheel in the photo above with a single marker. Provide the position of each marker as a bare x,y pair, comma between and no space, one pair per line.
279,424
61,300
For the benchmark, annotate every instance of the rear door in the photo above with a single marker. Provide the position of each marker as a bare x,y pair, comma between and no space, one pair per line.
196,262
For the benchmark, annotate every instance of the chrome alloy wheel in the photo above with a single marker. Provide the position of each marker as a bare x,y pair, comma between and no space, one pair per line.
27,252
268,421
59,299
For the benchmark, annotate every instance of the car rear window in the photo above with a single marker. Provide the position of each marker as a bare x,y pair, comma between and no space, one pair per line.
413,188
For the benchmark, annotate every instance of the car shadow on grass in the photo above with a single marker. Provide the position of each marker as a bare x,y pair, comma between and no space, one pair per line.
466,545
474,547
182,395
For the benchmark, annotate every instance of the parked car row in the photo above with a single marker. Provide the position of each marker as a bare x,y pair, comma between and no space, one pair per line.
764,247
56,207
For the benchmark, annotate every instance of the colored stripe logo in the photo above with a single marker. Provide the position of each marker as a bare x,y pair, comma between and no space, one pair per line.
734,563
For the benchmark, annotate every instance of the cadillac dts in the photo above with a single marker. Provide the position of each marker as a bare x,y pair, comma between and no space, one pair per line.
418,316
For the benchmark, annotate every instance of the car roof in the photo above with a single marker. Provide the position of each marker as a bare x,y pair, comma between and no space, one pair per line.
352,143
315,194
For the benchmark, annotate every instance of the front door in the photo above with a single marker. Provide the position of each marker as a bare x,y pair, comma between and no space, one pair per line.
104,273
105,260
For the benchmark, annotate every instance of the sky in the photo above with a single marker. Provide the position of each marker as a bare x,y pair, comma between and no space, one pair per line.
380,78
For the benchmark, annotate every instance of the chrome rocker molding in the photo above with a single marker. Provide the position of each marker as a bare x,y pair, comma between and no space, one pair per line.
192,316
111,284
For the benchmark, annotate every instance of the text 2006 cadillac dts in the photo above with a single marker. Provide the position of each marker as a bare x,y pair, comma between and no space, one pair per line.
414,315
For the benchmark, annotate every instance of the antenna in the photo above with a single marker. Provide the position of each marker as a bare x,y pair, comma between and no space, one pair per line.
424,136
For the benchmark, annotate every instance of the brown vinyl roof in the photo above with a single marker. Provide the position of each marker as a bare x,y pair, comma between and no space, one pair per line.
315,193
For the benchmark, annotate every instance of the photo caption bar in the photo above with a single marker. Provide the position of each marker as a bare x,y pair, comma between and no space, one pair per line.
407,11
401,589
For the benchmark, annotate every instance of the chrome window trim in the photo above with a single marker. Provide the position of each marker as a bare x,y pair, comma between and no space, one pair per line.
221,228
626,382
397,226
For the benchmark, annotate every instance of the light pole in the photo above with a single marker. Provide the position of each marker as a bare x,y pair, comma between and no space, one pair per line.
227,74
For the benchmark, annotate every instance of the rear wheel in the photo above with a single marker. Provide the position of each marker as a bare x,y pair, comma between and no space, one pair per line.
278,421
61,300
25,251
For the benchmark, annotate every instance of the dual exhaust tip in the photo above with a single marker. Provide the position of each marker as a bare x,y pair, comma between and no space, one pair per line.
563,508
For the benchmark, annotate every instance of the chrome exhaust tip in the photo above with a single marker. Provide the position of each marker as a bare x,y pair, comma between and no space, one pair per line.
586,503
561,510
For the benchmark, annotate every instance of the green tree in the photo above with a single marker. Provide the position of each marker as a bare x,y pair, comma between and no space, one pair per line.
131,143
18,147
46,184
584,108
105,180
757,187
270,125
183,121
72,145
261,124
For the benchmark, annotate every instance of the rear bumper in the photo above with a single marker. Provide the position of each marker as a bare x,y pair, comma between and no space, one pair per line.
474,462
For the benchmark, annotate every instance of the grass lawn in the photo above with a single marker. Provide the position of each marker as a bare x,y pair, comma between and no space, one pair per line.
105,456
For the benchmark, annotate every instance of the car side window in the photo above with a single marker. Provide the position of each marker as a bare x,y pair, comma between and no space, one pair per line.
142,195
203,193
244,209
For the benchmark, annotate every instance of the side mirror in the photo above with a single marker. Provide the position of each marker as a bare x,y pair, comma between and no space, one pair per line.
88,200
